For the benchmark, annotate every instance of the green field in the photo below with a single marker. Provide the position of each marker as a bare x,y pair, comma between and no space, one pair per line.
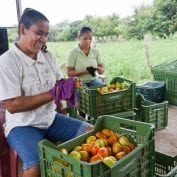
126,58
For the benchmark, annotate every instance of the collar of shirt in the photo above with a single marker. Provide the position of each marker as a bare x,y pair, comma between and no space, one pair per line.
28,60
79,49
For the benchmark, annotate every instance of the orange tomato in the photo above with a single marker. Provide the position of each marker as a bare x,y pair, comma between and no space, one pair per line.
84,156
131,146
96,158
116,147
101,135
109,150
120,155
107,132
103,152
94,149
86,147
112,139
91,139
117,135
126,149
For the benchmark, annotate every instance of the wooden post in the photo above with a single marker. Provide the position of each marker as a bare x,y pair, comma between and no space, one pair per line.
147,39
19,9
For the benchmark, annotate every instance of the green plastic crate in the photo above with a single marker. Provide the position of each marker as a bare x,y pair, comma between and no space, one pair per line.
138,163
126,114
165,165
95,104
167,66
154,113
159,72
167,72
171,84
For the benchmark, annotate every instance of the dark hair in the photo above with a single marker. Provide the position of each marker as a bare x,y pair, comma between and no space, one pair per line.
44,48
29,17
83,30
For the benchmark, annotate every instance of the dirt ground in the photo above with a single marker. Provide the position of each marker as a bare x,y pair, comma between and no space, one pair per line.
166,139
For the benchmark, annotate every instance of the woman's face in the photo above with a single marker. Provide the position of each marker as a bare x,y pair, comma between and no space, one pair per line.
85,40
36,36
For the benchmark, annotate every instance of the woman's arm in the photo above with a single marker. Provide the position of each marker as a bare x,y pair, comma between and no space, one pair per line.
100,69
27,103
71,72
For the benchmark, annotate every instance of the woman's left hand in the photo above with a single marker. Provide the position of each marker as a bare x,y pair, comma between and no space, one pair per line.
100,70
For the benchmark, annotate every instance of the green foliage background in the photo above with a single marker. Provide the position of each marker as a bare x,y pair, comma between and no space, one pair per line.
158,19
120,41
126,58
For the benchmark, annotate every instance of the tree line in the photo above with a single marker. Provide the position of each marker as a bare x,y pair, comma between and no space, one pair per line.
158,19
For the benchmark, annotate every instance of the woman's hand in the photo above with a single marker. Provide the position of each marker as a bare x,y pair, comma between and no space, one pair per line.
60,85
100,69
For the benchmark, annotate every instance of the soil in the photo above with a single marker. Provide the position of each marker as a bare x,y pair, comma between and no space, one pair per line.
166,139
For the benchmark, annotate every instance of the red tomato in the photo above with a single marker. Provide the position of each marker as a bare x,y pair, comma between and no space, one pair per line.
103,152
95,149
86,147
96,158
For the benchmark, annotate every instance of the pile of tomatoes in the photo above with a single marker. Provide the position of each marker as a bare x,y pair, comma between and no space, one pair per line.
105,145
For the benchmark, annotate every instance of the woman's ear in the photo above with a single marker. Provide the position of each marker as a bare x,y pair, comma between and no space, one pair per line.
22,29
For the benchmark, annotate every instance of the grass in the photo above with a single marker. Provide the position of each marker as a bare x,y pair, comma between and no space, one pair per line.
126,58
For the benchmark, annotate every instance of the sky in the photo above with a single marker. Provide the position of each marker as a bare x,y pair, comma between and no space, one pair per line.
60,10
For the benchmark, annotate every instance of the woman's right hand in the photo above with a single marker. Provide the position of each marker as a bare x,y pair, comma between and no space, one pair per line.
56,89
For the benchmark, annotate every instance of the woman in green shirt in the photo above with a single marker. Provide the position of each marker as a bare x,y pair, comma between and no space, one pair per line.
83,61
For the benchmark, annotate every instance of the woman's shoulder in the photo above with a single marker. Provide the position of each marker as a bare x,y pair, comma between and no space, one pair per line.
75,49
73,52
9,57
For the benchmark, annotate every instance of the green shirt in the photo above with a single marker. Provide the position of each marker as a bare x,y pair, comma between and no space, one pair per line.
80,61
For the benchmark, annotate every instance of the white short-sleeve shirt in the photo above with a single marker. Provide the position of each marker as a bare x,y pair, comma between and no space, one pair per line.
22,76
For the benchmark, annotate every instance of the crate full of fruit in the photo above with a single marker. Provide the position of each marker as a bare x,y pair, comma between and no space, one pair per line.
117,96
116,147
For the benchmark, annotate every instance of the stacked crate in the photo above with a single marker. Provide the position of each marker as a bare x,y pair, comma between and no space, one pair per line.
125,103
151,112
167,72
165,165
95,104
151,106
